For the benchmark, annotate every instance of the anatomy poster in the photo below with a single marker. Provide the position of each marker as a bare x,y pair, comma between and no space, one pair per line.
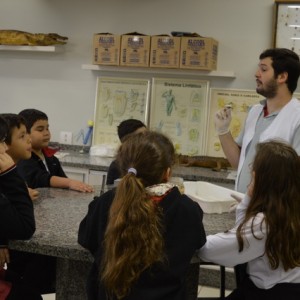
179,109
118,99
240,101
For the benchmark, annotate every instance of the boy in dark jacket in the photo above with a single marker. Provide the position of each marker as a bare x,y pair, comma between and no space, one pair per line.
125,128
42,169
16,219
18,143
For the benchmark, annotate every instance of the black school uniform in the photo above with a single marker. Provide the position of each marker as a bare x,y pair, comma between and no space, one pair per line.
184,233
16,222
38,271
35,173
16,209
113,173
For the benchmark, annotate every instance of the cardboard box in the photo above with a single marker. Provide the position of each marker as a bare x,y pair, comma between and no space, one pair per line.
135,50
106,50
198,53
165,51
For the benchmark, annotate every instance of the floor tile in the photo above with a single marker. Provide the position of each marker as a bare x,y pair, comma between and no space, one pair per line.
207,291
49,297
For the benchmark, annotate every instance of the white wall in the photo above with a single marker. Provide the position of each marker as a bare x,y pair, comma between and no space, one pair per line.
55,82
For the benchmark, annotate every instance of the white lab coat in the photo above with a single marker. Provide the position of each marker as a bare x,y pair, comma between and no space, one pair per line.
283,127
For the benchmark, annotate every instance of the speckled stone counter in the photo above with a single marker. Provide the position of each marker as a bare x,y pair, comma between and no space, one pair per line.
76,159
58,213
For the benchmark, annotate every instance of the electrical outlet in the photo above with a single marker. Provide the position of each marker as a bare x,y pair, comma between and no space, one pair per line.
66,137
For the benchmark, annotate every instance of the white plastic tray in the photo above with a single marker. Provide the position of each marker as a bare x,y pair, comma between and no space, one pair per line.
211,197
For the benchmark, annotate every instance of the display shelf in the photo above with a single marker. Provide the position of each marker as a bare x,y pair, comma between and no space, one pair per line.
224,74
54,48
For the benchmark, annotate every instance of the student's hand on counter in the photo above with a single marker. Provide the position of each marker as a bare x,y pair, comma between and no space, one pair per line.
34,194
4,256
80,186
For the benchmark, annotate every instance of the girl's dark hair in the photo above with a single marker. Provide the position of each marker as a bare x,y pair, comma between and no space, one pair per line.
32,115
133,239
276,194
3,129
13,121
284,60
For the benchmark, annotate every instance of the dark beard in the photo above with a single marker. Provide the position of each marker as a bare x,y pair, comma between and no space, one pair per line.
270,91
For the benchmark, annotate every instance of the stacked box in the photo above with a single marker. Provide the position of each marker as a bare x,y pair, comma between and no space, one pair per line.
165,51
199,53
135,50
106,50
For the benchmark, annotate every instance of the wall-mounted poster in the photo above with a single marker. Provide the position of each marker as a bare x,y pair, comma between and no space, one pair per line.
118,99
241,101
179,109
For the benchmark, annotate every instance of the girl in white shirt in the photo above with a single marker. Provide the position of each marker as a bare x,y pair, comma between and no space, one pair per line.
267,230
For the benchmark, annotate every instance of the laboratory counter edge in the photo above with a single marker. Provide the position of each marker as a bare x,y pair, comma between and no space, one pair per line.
75,159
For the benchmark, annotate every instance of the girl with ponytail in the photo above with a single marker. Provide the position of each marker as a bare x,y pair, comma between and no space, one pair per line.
144,233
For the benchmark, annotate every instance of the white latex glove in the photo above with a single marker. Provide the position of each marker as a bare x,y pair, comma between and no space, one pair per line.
222,120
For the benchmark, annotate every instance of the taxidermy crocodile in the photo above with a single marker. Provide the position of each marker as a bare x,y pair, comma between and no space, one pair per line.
16,37
214,163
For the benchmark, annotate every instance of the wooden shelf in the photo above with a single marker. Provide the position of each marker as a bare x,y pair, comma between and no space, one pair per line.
54,48
224,74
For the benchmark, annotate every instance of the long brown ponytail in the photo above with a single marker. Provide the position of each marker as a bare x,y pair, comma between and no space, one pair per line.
133,239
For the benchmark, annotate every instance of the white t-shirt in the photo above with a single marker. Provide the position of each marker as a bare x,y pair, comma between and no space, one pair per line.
222,248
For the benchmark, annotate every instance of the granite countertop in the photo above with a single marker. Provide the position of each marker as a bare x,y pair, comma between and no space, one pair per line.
84,160
58,213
